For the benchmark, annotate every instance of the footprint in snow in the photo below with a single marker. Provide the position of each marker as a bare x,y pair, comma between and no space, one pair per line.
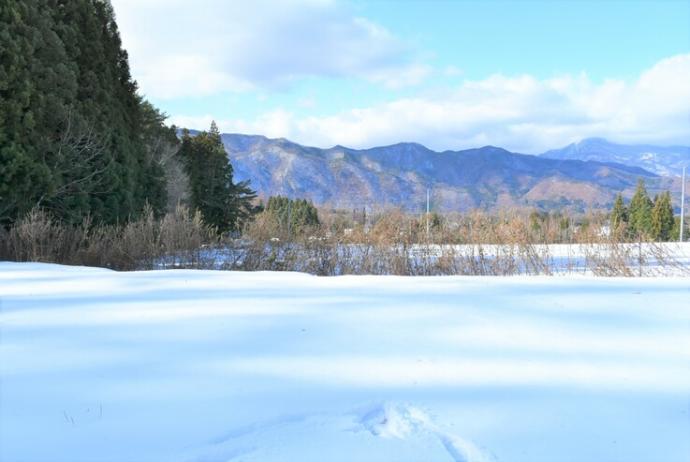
384,432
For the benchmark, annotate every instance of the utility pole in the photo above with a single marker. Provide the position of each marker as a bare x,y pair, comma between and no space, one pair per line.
682,205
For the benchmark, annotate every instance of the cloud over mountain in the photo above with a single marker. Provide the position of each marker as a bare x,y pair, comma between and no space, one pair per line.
522,113
390,84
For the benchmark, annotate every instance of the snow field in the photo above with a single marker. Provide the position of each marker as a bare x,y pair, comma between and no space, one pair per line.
189,365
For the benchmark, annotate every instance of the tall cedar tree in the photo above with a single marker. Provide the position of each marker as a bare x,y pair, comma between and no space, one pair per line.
662,217
640,212
619,216
222,203
73,136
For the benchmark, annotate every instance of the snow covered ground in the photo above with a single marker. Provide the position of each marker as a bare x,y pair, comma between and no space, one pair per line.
593,259
210,366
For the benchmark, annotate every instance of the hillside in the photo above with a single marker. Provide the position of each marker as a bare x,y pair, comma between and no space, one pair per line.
398,176
663,160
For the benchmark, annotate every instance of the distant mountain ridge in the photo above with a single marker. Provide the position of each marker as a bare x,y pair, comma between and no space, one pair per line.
663,160
398,176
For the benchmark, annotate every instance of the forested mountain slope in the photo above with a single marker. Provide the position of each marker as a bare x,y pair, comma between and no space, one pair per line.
398,176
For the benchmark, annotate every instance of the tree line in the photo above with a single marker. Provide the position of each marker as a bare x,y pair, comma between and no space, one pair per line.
79,142
644,218
292,215
75,137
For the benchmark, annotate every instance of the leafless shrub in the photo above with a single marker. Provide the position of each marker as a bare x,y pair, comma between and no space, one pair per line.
385,243
474,244
36,237
178,239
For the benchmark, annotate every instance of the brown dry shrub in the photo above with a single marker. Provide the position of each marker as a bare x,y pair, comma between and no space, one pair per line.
178,239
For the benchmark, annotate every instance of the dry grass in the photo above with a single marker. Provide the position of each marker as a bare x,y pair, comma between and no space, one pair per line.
387,243
177,239
475,244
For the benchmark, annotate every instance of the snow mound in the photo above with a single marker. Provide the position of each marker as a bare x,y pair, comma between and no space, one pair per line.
395,421
383,432
404,421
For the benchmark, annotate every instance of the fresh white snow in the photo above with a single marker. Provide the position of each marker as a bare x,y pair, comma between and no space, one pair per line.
214,366
592,259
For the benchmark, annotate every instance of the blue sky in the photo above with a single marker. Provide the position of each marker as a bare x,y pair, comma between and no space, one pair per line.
605,38
524,75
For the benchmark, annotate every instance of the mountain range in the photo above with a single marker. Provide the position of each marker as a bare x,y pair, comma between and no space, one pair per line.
399,176
663,160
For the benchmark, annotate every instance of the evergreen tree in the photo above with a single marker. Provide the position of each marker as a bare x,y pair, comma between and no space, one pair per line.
675,231
73,131
294,215
222,203
619,216
162,165
30,49
662,217
640,212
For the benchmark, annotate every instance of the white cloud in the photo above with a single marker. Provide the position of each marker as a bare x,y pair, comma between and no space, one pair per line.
394,78
179,49
521,113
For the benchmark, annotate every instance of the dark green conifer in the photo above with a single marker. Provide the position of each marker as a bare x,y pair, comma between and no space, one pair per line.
640,212
294,215
619,216
662,217
74,134
223,203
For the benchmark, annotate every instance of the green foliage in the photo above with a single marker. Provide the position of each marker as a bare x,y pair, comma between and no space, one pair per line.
619,216
75,138
223,204
536,219
675,231
640,212
435,220
293,215
161,145
644,218
662,217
